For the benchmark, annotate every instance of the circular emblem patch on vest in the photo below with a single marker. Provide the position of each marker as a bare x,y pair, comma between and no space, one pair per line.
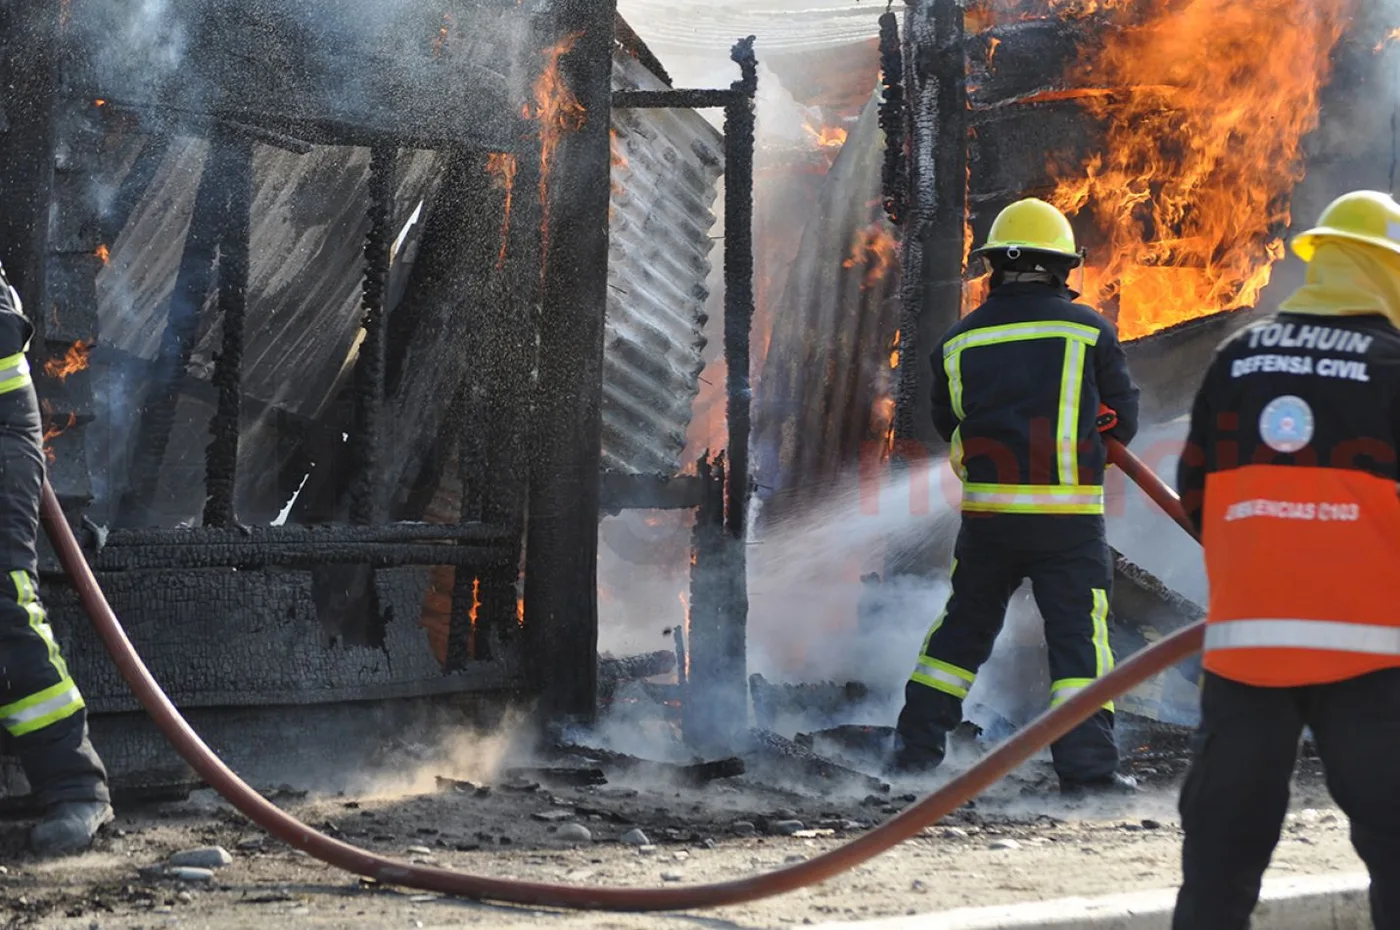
1286,425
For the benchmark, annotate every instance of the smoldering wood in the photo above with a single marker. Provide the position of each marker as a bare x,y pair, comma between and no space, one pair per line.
612,670
221,455
261,555
561,585
1014,60
310,536
566,776
773,702
693,775
381,69
861,742
216,637
715,704
774,756
680,99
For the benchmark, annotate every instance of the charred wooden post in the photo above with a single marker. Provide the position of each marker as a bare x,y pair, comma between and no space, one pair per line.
561,584
187,301
715,705
221,457
738,278
895,174
932,297
365,505
511,357
931,289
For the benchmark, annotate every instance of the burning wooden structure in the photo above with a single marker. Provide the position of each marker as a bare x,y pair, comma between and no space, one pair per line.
1185,140
353,318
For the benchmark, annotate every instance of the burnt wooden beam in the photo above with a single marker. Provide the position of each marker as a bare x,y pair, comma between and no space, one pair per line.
715,708
561,571
649,492
681,99
221,456
247,555
195,536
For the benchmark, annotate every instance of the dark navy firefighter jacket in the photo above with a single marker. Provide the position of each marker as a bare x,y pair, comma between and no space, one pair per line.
1017,388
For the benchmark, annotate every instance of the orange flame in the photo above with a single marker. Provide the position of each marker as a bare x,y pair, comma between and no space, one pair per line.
826,137
1389,37
685,606
875,249
103,253
894,351
558,113
993,43
73,361
619,160
520,611
53,432
440,40
502,167
1201,152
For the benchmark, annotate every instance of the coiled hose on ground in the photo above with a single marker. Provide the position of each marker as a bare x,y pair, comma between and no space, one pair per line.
1003,759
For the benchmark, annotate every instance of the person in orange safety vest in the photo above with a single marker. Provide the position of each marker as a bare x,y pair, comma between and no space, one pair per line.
1289,474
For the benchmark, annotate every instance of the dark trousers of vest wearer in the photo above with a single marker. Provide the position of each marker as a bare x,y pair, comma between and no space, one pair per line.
1067,562
1235,797
41,714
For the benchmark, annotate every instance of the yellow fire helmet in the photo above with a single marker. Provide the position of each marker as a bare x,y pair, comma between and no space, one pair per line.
1368,217
1031,225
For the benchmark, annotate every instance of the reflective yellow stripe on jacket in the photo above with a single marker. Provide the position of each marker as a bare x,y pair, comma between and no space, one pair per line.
14,373
1066,497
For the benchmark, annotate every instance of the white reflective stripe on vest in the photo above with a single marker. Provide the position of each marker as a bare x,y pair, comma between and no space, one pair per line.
1024,496
1328,635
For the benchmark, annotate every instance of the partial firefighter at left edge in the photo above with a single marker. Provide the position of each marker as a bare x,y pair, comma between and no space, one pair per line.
41,708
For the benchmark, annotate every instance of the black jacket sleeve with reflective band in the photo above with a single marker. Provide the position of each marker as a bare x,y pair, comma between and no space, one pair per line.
1017,387
15,330
1345,369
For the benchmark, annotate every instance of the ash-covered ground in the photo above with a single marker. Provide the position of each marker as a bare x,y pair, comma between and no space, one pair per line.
563,816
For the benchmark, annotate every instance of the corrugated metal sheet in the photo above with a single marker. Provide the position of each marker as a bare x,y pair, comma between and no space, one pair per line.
833,323
666,168
714,25
310,217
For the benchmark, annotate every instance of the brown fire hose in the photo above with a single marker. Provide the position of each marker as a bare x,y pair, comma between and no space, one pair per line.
1011,753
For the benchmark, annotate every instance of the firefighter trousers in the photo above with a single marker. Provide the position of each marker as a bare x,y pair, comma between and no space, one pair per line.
1071,584
1235,796
41,710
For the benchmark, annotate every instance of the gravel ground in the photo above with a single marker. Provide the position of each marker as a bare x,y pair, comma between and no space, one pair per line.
1019,843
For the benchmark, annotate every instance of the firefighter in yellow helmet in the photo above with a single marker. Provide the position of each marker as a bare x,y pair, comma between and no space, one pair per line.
1023,388
1290,473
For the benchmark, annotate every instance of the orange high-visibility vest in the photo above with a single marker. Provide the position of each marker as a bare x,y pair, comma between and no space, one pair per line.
1304,569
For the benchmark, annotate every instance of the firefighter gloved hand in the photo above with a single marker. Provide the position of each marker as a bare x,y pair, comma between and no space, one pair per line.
1107,418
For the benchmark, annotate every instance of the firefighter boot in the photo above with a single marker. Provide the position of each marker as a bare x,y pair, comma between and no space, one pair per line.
1115,785
920,738
69,827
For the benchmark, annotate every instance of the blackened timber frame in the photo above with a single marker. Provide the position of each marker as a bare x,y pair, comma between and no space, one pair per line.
561,560
719,596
